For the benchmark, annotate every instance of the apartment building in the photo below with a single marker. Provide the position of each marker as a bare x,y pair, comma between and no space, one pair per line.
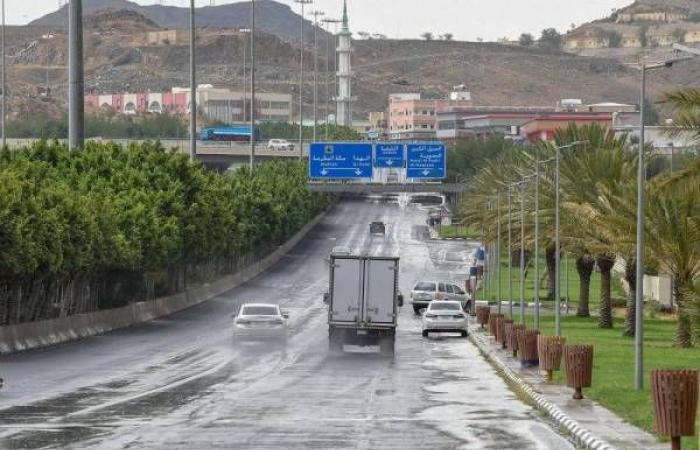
414,118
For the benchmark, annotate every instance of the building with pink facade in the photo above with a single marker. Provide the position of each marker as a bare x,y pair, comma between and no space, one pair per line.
412,117
216,103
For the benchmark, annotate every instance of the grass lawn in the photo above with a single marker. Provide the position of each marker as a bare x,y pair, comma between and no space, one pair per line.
613,363
457,231
570,285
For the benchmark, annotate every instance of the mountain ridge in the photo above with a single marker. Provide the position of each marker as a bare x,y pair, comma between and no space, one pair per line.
271,17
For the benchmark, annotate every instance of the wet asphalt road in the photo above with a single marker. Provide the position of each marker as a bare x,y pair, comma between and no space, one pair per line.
185,383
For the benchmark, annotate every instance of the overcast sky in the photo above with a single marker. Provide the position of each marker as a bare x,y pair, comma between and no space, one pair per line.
465,19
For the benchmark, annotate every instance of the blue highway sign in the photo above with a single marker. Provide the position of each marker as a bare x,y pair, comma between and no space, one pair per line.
427,160
340,160
388,155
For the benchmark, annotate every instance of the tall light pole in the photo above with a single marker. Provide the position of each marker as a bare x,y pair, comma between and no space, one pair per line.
252,85
193,87
316,15
557,233
510,255
498,249
301,76
245,76
537,241
4,84
76,85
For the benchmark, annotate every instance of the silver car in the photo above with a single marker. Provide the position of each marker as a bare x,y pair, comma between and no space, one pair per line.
424,292
263,320
445,317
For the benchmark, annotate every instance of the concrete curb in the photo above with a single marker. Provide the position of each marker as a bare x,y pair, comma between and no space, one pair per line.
581,436
32,335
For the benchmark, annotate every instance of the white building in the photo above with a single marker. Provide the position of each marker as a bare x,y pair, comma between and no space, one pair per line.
344,98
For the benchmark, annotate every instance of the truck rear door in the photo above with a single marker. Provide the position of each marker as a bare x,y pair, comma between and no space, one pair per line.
380,290
346,285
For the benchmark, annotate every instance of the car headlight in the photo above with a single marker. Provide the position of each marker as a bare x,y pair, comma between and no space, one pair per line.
242,322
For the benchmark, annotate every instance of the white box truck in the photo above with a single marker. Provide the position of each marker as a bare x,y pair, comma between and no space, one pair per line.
363,301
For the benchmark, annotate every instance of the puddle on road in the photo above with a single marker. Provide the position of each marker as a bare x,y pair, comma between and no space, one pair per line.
58,422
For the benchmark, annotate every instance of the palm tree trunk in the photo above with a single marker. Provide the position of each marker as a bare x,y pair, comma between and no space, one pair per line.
605,262
551,258
683,332
584,266
631,279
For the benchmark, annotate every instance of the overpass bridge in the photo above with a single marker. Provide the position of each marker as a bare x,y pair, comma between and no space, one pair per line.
385,188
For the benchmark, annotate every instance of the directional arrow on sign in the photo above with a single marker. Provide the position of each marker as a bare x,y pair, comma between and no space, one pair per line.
389,162
426,172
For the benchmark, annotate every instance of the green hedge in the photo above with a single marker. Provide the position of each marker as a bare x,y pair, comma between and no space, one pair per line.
131,223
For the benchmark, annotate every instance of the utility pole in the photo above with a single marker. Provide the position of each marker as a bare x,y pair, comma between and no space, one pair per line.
316,15
245,78
193,87
76,96
510,256
498,249
522,252
537,239
4,84
639,293
301,76
252,85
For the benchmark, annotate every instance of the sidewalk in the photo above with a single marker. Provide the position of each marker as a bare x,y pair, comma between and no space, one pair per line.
589,424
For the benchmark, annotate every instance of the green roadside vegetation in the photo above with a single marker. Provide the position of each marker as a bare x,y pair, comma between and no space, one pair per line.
457,231
613,363
107,226
570,285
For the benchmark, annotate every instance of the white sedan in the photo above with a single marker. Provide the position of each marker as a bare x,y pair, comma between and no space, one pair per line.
445,316
263,320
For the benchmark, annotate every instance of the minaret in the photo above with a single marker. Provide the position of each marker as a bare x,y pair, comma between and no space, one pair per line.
344,97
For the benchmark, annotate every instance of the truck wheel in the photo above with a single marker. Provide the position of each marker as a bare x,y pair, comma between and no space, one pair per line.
465,334
335,341
386,345
425,333
416,310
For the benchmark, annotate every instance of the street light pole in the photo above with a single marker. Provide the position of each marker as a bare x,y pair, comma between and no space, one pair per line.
76,86
252,85
193,87
537,244
639,293
4,84
498,249
522,251
557,248
301,76
245,79
510,255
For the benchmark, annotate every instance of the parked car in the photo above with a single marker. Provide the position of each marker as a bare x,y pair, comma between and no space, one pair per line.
445,317
280,145
424,292
260,320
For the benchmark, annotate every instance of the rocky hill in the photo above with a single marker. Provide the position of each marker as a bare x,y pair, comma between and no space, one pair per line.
118,59
272,17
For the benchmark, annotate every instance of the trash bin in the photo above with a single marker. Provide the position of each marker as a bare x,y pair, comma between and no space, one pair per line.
512,337
527,347
579,368
675,397
482,315
550,350
493,323
501,331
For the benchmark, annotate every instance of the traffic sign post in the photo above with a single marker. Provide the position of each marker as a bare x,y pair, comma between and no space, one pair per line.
388,155
340,161
426,160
